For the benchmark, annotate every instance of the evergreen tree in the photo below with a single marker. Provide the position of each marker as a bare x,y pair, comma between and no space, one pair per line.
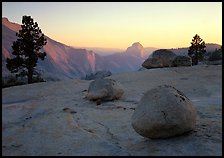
216,55
197,49
26,49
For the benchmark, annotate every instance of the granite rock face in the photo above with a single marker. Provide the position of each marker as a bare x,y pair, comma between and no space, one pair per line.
164,112
160,58
152,63
165,55
136,50
54,119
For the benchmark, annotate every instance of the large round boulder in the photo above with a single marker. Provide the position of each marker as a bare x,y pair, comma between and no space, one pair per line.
104,90
164,112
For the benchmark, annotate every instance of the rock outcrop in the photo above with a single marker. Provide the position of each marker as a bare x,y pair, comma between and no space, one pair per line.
152,63
104,90
53,119
165,55
160,58
164,112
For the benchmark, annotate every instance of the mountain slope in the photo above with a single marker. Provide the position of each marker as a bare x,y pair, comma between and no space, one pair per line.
62,61
65,62
12,26
132,63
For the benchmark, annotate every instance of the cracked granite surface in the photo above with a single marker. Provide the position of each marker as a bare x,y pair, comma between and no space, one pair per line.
55,118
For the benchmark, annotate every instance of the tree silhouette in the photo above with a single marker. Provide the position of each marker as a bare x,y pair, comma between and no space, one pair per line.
26,49
197,49
216,55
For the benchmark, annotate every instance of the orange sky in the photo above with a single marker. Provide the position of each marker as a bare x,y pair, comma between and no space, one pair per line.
119,24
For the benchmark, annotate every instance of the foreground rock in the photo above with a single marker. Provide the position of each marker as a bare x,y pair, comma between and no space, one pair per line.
53,119
164,112
104,90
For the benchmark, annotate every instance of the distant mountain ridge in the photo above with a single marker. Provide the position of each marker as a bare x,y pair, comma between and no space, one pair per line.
184,51
103,51
62,62
12,26
66,62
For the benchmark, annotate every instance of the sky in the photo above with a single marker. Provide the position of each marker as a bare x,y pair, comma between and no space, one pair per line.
119,24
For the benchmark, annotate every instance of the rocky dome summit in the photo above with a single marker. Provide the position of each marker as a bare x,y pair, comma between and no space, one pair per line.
136,49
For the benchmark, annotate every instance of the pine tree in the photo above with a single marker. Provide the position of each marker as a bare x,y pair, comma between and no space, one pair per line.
197,49
26,49
216,55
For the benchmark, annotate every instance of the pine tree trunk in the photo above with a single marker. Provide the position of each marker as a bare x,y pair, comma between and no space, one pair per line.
30,76
196,61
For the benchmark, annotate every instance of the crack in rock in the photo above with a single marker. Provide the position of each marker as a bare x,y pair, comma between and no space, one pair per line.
164,115
112,137
77,124
69,110
131,101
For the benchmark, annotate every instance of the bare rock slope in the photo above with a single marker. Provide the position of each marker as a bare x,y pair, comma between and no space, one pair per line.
54,118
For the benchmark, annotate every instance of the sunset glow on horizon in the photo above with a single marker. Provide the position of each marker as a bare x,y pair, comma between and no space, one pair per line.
119,24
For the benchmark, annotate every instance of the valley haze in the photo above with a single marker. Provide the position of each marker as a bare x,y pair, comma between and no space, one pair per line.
66,62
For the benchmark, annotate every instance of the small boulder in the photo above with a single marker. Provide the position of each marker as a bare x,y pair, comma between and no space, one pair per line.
182,61
104,90
164,112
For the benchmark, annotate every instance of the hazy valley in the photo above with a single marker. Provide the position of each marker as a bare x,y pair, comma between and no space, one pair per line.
66,62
